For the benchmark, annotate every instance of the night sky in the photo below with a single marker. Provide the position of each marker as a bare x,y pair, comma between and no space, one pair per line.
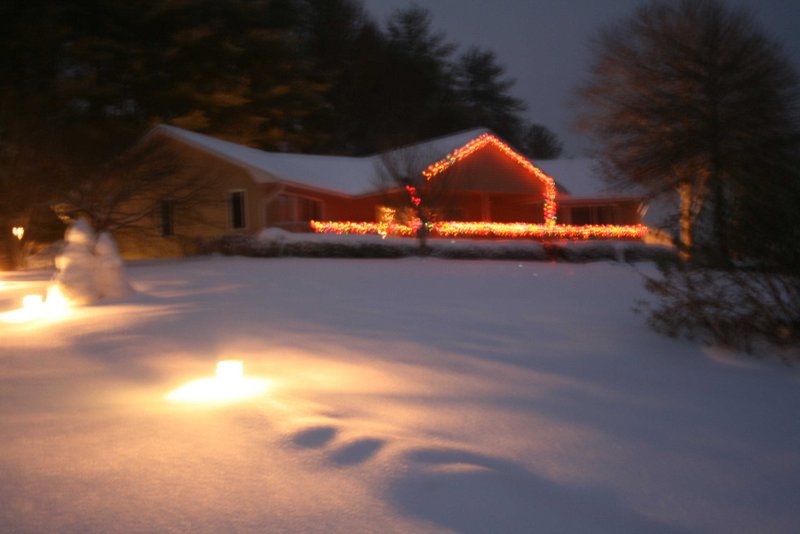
544,44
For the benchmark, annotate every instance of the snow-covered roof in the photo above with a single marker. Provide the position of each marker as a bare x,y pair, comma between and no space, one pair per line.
340,174
581,178
359,176
351,176
436,149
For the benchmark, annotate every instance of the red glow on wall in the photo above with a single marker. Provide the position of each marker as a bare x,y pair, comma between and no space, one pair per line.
487,138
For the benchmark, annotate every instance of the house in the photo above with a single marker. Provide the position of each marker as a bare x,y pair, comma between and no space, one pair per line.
469,179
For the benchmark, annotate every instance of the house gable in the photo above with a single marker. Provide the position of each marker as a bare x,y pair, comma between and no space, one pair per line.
489,170
496,168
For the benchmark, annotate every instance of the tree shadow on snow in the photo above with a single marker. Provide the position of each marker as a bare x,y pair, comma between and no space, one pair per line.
469,492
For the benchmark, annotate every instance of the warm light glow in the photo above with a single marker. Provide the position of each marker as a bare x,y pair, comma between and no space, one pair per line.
18,232
487,229
55,306
230,369
361,228
56,302
228,385
539,231
385,219
32,302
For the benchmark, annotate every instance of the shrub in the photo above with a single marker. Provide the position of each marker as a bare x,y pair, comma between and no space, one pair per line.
735,308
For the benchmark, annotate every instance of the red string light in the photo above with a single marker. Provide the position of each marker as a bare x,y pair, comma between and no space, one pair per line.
476,144
415,198
548,230
486,229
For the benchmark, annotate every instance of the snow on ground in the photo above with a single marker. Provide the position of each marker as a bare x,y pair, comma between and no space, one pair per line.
413,395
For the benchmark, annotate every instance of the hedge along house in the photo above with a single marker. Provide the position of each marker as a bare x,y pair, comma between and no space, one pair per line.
471,182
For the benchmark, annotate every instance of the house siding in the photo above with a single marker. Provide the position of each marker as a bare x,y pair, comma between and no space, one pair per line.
206,214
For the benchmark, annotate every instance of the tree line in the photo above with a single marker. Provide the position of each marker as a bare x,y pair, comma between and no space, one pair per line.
317,76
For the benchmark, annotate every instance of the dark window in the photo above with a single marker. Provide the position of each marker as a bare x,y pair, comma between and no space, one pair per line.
606,215
308,209
167,218
236,203
288,210
581,216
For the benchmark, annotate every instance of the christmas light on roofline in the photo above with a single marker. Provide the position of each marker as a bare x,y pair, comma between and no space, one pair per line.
476,144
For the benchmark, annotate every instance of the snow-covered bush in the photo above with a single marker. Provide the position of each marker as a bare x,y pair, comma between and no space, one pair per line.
274,242
494,250
633,252
584,251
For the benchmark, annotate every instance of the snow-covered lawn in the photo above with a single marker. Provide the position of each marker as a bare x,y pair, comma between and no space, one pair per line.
405,396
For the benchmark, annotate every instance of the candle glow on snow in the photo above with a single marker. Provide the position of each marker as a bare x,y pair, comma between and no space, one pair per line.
54,306
228,385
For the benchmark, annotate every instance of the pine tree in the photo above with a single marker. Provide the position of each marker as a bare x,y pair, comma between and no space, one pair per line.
419,85
540,143
483,89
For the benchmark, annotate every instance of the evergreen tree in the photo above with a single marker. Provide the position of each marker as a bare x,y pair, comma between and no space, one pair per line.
419,87
235,69
483,89
335,36
365,93
540,143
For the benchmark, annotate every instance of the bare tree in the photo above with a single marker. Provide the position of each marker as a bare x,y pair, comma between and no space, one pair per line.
690,96
129,195
427,201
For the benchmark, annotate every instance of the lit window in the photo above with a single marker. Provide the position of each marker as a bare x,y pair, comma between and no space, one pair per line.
606,215
582,216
